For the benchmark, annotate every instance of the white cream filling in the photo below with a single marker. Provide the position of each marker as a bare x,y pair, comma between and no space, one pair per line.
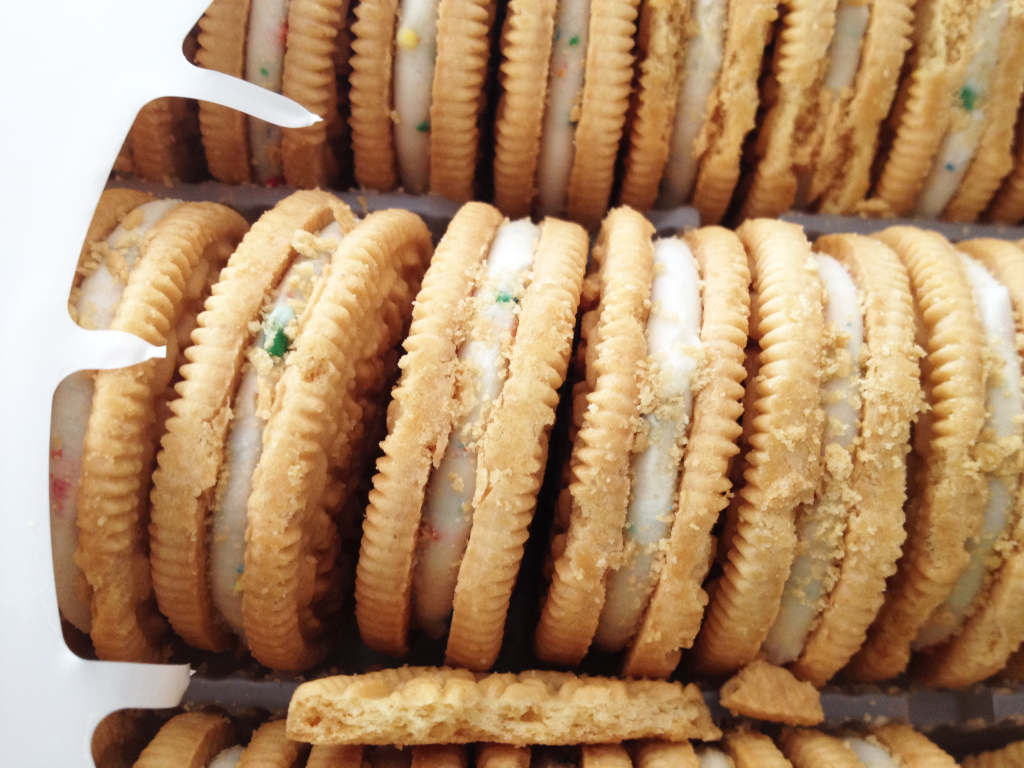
710,757
245,443
1004,406
702,63
960,142
448,502
72,405
565,96
227,758
415,54
871,755
264,65
673,345
819,532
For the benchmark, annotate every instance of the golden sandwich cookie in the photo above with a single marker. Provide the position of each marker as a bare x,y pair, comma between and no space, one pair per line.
696,101
456,488
145,268
293,48
556,148
954,117
417,94
888,746
654,429
197,739
279,404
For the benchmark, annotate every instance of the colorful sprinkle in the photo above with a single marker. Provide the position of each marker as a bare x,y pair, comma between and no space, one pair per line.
263,71
408,39
504,297
278,345
284,32
424,127
950,167
558,35
59,488
967,97
562,69
275,181
574,41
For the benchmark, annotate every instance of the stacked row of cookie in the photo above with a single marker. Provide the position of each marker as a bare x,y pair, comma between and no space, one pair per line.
264,428
739,107
210,740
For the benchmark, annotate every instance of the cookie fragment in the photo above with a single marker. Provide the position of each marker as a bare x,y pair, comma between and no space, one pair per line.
766,692
193,738
423,706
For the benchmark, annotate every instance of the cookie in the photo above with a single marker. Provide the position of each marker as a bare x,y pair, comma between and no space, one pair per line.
286,48
889,746
193,738
502,756
791,95
806,748
271,748
427,706
664,754
338,756
977,628
696,102
488,349
417,91
146,267
953,119
1007,206
910,748
1007,757
742,748
948,493
782,467
765,692
648,474
588,69
850,538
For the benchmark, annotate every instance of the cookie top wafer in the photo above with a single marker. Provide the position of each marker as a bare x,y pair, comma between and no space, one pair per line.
194,738
781,466
488,349
748,749
676,608
798,74
271,748
1007,757
190,465
806,748
424,706
354,316
992,586
948,495
148,277
890,398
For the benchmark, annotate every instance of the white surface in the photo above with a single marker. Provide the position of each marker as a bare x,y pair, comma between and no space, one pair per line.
52,699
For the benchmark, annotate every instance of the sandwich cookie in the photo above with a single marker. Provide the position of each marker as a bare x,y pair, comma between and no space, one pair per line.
742,749
1007,757
267,438
420,705
145,268
337,756
948,491
565,161
891,746
656,412
270,747
954,117
456,488
850,537
417,93
783,429
696,101
199,739
834,155
1007,206
286,46
971,636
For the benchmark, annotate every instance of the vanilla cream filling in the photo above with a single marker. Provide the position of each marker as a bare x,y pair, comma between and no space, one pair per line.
960,142
227,758
415,54
100,295
674,348
1004,406
564,101
264,65
701,66
449,498
871,755
710,757
821,525
251,411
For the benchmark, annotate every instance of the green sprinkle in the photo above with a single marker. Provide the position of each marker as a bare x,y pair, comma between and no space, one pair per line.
504,297
278,344
424,127
574,41
967,97
263,71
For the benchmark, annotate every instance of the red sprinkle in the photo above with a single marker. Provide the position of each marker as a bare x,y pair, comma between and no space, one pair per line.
276,181
59,490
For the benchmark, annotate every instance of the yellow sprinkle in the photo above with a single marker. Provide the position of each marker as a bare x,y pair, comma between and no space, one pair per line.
408,39
238,588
